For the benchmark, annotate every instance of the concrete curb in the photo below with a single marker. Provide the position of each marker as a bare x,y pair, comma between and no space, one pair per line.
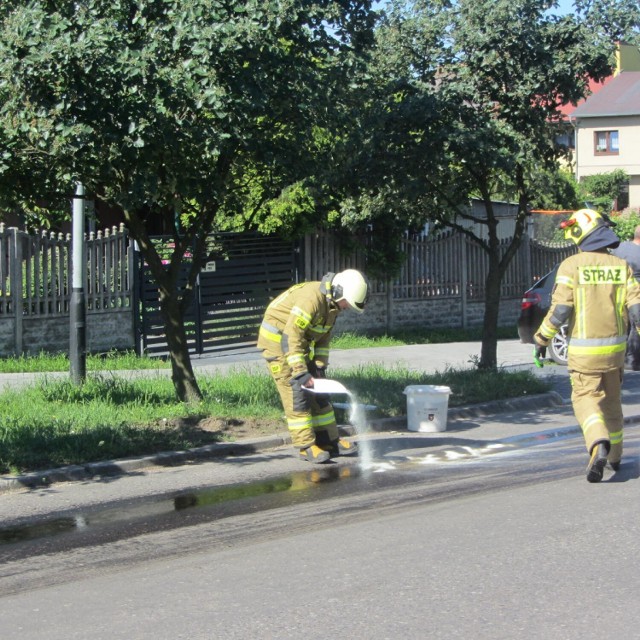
110,468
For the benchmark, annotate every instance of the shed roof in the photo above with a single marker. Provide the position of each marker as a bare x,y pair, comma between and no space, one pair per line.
619,97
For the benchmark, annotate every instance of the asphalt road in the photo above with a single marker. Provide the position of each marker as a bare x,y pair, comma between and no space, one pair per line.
506,544
487,530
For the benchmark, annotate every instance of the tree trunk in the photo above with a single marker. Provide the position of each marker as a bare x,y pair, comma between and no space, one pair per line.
184,380
488,356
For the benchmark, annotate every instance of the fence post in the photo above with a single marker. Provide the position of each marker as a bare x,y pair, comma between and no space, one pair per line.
15,279
389,305
462,240
307,256
135,283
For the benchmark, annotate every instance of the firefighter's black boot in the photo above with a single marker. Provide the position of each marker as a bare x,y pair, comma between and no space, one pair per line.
338,447
595,468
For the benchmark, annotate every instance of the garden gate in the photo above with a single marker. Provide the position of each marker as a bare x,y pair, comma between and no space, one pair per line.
240,276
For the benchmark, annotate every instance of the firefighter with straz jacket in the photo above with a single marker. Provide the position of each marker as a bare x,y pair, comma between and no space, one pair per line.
294,339
597,294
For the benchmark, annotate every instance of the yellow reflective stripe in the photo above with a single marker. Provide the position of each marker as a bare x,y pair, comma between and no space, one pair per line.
270,328
298,424
322,352
321,329
297,311
303,319
592,421
324,419
621,298
547,330
596,350
610,341
270,335
632,284
615,437
581,317
565,280
295,359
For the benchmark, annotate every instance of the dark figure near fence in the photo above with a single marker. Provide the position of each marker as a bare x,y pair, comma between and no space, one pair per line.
630,251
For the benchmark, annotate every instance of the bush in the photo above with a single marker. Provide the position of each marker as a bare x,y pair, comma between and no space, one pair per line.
626,223
601,190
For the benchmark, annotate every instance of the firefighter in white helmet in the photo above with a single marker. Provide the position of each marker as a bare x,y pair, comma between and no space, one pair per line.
597,294
294,339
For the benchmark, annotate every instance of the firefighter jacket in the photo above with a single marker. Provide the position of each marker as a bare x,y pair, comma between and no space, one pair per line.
596,293
298,324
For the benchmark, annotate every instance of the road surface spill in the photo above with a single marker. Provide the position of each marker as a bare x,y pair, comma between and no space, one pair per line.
297,485
375,457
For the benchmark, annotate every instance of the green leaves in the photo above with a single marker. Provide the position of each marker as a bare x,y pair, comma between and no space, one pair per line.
462,96
599,191
163,89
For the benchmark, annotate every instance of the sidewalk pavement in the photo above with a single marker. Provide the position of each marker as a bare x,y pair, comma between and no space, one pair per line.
549,415
429,358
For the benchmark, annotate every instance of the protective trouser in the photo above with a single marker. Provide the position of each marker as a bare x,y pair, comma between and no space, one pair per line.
597,404
310,419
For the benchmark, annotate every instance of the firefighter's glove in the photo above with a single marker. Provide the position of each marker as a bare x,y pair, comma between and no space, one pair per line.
540,340
315,370
301,380
539,354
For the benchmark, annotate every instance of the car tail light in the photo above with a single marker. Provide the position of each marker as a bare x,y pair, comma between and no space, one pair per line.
530,300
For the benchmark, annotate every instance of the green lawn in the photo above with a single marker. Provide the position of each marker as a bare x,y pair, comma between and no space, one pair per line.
57,423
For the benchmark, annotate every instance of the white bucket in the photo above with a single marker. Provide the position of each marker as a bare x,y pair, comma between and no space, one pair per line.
427,407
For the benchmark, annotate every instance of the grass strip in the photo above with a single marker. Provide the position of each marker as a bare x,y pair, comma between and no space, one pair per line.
50,362
56,423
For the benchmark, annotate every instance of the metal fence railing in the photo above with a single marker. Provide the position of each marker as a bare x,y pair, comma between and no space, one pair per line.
35,277
35,272
447,264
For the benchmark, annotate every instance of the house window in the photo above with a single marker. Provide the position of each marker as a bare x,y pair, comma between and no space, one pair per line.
606,143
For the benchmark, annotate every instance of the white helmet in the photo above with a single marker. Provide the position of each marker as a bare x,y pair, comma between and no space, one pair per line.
351,286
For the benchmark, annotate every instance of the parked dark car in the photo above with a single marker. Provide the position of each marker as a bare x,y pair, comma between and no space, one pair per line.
535,304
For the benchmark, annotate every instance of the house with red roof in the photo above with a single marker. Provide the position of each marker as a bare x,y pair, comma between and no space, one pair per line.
607,126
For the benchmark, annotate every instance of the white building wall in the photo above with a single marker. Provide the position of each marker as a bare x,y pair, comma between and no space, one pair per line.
634,191
588,163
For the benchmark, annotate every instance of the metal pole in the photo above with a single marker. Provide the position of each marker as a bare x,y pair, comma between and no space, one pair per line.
77,315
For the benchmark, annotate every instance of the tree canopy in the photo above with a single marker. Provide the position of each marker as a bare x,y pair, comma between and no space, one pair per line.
176,112
462,103
217,114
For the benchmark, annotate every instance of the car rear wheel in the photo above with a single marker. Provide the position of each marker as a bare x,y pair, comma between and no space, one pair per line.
558,346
